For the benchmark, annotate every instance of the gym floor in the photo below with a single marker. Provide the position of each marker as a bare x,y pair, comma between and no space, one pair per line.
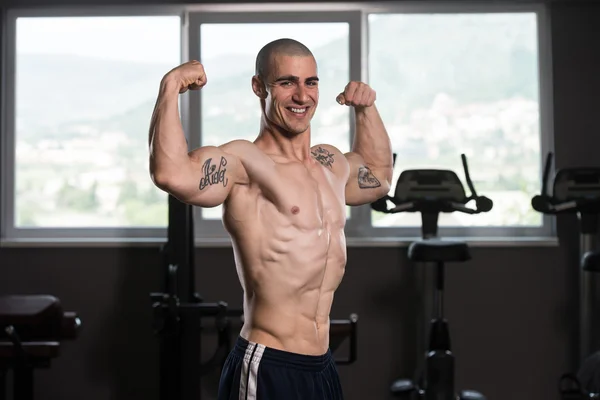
512,309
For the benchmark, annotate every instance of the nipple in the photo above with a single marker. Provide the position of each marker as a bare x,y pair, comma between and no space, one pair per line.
295,210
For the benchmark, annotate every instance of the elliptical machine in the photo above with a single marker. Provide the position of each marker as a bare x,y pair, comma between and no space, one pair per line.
576,191
431,192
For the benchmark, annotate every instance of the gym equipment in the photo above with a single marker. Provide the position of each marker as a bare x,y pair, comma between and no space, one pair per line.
179,312
33,327
576,191
431,192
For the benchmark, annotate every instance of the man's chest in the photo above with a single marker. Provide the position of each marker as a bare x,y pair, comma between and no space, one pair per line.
310,192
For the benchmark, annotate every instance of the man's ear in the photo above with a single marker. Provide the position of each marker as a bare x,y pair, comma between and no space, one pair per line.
258,87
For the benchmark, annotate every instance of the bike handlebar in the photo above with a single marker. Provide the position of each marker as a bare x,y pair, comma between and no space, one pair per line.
547,204
482,203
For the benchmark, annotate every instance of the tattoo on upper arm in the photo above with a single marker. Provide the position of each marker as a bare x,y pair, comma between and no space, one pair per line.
366,179
323,156
213,175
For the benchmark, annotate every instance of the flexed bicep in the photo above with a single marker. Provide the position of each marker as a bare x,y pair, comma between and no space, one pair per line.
214,171
365,184
208,178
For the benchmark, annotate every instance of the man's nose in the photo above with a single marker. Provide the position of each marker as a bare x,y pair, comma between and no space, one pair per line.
300,95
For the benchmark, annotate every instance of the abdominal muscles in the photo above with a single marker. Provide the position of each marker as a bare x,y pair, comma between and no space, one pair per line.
289,266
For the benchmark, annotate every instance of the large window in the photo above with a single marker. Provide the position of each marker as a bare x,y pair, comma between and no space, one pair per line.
227,45
85,89
229,50
463,83
80,90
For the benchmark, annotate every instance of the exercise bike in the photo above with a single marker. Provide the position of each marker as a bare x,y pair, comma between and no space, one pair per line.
577,191
431,192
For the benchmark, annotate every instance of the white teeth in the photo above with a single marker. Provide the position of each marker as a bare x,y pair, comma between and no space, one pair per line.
298,110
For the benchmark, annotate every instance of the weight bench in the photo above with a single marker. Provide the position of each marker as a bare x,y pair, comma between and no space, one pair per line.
32,328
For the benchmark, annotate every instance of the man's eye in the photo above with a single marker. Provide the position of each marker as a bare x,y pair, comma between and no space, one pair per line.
286,83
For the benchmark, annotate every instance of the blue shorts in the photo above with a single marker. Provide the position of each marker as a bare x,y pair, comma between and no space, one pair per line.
255,372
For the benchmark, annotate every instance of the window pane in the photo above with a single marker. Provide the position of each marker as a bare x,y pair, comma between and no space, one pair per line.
230,110
467,84
85,90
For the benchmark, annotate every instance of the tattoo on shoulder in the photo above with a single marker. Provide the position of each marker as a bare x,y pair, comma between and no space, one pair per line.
366,179
212,175
323,156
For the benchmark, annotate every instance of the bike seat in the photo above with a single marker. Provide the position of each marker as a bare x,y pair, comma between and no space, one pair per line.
437,250
591,261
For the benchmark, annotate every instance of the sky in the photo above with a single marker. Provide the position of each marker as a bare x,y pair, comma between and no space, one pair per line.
157,38
249,38
143,39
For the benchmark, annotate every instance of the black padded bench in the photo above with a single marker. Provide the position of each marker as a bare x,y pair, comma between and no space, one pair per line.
32,328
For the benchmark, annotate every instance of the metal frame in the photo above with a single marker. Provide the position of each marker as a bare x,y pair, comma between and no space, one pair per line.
211,228
356,14
548,227
7,229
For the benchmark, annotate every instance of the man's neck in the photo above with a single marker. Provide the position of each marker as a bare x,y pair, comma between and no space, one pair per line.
276,141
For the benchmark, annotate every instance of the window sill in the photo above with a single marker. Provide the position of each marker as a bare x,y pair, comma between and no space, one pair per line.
351,242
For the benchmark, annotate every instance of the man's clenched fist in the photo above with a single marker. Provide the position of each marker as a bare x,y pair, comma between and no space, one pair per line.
189,75
357,94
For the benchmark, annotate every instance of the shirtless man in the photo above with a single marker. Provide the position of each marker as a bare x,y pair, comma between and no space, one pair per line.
284,208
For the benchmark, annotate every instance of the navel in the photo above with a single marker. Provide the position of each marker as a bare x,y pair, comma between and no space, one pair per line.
295,210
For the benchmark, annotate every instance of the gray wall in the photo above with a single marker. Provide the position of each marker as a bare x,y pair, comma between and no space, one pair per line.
512,310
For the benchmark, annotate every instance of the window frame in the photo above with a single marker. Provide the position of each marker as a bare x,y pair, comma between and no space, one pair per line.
211,232
514,234
213,228
8,230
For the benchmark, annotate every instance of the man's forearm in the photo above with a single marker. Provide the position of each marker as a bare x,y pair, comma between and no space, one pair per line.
372,142
168,147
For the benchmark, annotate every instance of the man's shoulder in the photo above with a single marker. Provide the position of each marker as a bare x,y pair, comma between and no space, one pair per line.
238,144
329,156
245,150
325,147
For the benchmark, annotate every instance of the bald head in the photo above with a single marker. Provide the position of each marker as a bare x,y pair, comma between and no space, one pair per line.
286,47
